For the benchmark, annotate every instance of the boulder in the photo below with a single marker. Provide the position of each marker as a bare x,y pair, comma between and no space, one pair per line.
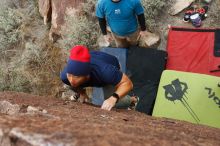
44,7
55,11
149,39
179,5
82,124
8,108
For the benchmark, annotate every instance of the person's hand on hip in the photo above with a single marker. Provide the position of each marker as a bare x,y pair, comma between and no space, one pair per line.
143,33
108,38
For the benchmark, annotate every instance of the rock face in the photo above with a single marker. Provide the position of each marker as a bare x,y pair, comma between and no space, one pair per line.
180,5
55,11
149,39
51,121
8,108
44,7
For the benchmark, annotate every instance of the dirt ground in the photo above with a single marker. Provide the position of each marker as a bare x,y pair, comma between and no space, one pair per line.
77,124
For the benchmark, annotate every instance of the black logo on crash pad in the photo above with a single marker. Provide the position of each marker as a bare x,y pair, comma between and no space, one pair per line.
176,91
211,95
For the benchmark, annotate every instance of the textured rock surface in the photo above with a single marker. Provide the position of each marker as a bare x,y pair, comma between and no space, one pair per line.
55,11
149,39
44,8
180,5
74,124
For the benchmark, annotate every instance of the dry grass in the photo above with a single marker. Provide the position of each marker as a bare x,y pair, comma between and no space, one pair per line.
82,28
153,9
42,67
31,63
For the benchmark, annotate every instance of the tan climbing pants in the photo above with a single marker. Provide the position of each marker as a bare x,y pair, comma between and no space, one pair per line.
126,41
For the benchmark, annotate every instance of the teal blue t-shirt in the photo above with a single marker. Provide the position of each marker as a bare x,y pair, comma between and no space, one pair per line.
121,16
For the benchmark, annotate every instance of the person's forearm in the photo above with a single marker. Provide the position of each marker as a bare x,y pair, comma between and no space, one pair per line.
141,20
102,24
123,89
124,86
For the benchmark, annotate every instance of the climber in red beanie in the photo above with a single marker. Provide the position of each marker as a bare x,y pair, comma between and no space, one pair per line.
95,69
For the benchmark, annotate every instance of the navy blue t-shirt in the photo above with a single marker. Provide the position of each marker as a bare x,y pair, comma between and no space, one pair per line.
105,70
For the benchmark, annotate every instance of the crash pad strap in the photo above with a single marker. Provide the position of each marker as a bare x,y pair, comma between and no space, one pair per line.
217,44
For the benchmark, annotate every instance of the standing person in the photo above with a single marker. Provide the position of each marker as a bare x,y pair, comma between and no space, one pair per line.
122,17
96,69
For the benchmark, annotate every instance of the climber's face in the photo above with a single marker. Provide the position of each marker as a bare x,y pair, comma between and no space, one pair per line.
76,81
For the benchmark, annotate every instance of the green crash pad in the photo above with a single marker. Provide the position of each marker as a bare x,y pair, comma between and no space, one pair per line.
190,97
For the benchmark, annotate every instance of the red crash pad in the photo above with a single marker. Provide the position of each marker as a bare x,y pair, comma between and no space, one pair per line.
194,50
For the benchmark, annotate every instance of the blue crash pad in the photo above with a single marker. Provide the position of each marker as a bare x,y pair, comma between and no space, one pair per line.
121,54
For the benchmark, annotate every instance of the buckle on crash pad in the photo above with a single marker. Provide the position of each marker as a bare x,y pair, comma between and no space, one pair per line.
217,70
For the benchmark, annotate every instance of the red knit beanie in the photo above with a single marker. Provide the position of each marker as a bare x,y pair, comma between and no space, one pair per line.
79,61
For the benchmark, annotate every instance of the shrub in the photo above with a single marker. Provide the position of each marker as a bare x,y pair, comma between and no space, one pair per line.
30,62
10,22
81,28
13,80
153,9
41,64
